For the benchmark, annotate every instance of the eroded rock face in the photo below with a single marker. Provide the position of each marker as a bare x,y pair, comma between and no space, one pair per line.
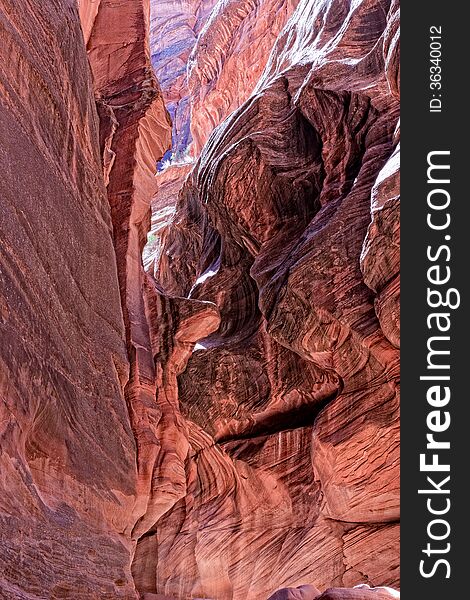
170,182
229,57
361,592
208,57
290,407
67,459
174,28
225,425
135,131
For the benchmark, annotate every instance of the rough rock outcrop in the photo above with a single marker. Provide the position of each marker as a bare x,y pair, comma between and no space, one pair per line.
67,458
290,407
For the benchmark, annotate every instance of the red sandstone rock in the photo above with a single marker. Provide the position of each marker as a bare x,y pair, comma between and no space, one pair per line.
229,57
291,406
259,448
67,459
175,25
135,128
163,206
207,64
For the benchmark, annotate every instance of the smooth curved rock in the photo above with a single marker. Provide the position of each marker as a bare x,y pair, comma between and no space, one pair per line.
291,406
380,258
360,592
208,57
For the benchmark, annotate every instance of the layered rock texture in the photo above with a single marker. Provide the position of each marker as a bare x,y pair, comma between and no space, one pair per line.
67,458
208,57
223,424
135,131
174,29
288,226
229,57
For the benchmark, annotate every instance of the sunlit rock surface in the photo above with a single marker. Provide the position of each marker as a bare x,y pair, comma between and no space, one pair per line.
229,57
291,405
361,592
224,425
164,202
208,57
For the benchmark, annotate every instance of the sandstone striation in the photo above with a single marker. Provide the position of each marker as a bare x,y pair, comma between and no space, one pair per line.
229,57
225,423
208,57
136,131
163,208
174,29
291,405
67,458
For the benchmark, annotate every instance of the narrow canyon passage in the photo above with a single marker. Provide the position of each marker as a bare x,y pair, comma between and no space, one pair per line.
199,368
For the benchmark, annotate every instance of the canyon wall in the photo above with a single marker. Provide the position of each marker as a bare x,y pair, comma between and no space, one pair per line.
208,57
224,425
135,131
174,29
229,57
67,459
288,226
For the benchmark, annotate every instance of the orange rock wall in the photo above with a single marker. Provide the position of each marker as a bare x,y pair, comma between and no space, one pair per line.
226,425
288,225
67,459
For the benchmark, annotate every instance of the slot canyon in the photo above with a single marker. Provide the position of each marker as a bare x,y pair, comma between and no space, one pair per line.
199,299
